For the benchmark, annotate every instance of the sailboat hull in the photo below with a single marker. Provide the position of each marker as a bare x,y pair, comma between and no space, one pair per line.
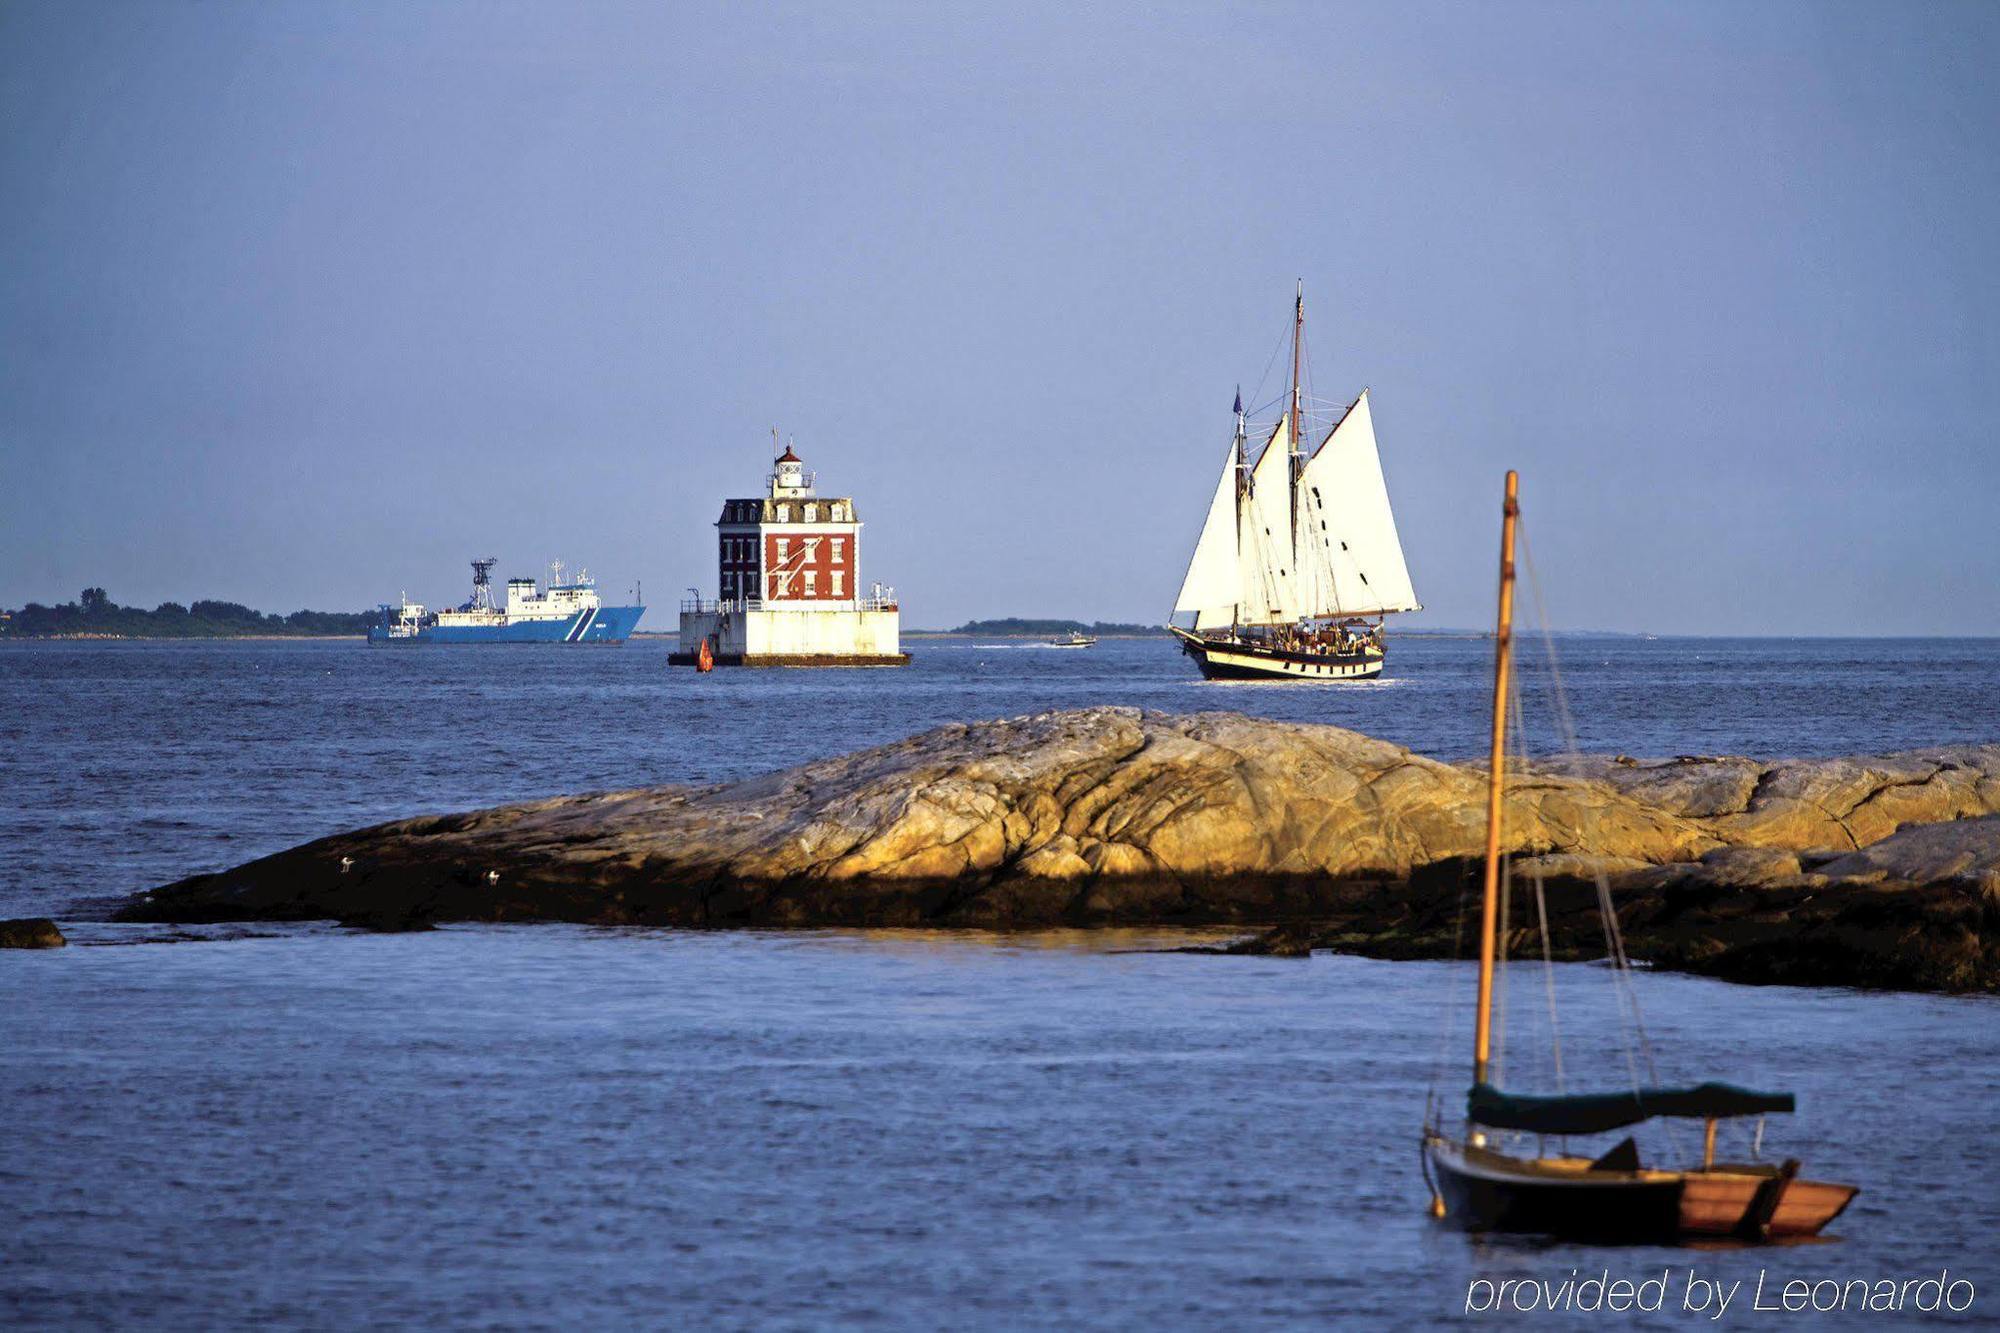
1489,1191
1614,1207
1246,659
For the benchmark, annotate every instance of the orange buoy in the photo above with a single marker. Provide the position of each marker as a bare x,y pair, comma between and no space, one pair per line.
704,660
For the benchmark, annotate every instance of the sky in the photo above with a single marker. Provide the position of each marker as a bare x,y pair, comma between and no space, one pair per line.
306,305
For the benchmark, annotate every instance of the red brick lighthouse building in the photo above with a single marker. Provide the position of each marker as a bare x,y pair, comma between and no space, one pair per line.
788,575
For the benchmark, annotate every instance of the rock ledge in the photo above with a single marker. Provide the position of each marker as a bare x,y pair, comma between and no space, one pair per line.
1876,871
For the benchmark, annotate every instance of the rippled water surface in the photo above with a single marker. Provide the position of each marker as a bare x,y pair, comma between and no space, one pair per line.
555,1126
130,764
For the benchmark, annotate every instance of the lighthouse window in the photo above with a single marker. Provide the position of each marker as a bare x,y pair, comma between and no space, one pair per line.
836,583
784,546
812,579
837,547
812,513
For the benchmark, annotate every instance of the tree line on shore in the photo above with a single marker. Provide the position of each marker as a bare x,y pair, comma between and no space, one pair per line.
94,614
1015,626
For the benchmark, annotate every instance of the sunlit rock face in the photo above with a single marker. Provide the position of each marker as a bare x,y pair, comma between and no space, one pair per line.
1116,815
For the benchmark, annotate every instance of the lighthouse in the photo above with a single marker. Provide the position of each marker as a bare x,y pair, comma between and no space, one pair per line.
789,589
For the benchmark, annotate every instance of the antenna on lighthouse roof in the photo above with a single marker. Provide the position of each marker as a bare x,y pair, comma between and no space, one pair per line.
774,441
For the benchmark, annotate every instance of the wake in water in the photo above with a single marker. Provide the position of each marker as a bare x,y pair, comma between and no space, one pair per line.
1379,683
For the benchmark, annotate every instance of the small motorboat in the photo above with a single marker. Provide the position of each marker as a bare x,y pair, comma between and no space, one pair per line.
1076,638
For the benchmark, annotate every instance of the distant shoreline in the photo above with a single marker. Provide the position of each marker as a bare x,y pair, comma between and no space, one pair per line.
1037,638
1162,634
180,638
95,616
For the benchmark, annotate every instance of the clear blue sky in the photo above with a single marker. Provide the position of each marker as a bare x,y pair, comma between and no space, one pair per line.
305,304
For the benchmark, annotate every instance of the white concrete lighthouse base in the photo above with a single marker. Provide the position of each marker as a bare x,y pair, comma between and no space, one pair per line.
819,637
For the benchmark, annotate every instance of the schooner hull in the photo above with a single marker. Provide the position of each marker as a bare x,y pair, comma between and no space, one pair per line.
1239,659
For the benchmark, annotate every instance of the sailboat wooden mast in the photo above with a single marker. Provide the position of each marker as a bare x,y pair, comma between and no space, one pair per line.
1503,656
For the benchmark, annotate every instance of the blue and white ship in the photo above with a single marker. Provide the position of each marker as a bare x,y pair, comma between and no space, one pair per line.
566,611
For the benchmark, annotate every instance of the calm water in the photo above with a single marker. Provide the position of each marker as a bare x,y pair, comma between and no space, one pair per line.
552,1126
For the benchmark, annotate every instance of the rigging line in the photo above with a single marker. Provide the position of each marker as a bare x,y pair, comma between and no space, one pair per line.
1607,917
1500,968
1448,1031
1271,361
1626,993
1549,977
1541,911
1517,765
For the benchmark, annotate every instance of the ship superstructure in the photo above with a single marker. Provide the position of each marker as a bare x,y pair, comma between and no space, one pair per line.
788,571
566,610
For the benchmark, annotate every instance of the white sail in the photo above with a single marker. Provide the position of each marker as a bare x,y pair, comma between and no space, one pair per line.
1351,533
1265,552
1212,585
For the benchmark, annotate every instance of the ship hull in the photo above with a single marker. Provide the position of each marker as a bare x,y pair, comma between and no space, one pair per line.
1482,1192
1488,1191
603,624
1242,659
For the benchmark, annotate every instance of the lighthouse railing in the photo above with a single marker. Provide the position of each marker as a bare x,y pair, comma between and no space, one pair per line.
883,599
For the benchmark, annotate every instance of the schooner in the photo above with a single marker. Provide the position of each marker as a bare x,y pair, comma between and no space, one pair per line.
1298,561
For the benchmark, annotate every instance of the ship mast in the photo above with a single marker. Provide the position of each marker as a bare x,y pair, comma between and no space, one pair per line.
1297,460
1242,494
1298,345
1489,909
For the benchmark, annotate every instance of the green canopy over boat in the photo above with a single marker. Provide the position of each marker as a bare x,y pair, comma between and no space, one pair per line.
1594,1113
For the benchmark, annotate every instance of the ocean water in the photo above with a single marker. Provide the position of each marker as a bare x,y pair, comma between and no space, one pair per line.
127,765
563,1127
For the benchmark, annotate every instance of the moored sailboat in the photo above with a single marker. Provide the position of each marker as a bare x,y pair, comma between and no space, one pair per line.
1298,561
1611,1197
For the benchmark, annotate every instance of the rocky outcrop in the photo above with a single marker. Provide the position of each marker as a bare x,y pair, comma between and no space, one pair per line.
1810,804
1109,815
35,932
1706,917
